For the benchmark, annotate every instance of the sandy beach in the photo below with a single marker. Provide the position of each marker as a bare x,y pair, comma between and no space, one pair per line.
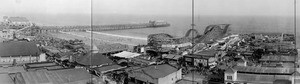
101,38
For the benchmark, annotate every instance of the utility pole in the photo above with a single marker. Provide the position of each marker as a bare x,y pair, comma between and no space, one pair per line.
193,44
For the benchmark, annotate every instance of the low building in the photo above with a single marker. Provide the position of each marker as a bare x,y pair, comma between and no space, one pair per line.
203,58
260,75
196,60
18,52
66,76
155,74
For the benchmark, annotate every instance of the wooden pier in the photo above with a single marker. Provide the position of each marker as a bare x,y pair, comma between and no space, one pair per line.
151,24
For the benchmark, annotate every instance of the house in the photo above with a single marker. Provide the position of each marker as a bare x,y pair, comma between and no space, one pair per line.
65,76
155,74
230,74
19,52
260,75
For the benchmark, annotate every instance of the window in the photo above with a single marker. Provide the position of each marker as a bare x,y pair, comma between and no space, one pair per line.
229,77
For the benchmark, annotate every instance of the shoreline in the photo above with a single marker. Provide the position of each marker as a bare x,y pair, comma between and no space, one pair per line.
116,35
99,39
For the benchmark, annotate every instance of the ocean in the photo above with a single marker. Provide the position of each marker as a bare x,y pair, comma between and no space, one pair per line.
179,24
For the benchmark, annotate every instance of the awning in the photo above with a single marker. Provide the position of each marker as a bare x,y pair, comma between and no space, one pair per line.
126,54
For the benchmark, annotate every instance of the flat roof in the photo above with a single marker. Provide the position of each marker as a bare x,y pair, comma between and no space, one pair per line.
75,76
255,78
264,69
278,58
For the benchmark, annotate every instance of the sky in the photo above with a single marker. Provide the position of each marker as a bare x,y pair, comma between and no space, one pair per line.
45,7
202,7
149,7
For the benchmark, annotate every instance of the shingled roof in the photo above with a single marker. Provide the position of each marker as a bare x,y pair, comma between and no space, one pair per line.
18,48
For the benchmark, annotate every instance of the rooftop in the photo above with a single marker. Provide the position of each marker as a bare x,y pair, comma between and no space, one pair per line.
152,72
111,48
107,68
93,59
172,56
230,70
254,78
19,48
5,70
211,53
126,54
278,58
43,65
5,79
55,77
267,70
